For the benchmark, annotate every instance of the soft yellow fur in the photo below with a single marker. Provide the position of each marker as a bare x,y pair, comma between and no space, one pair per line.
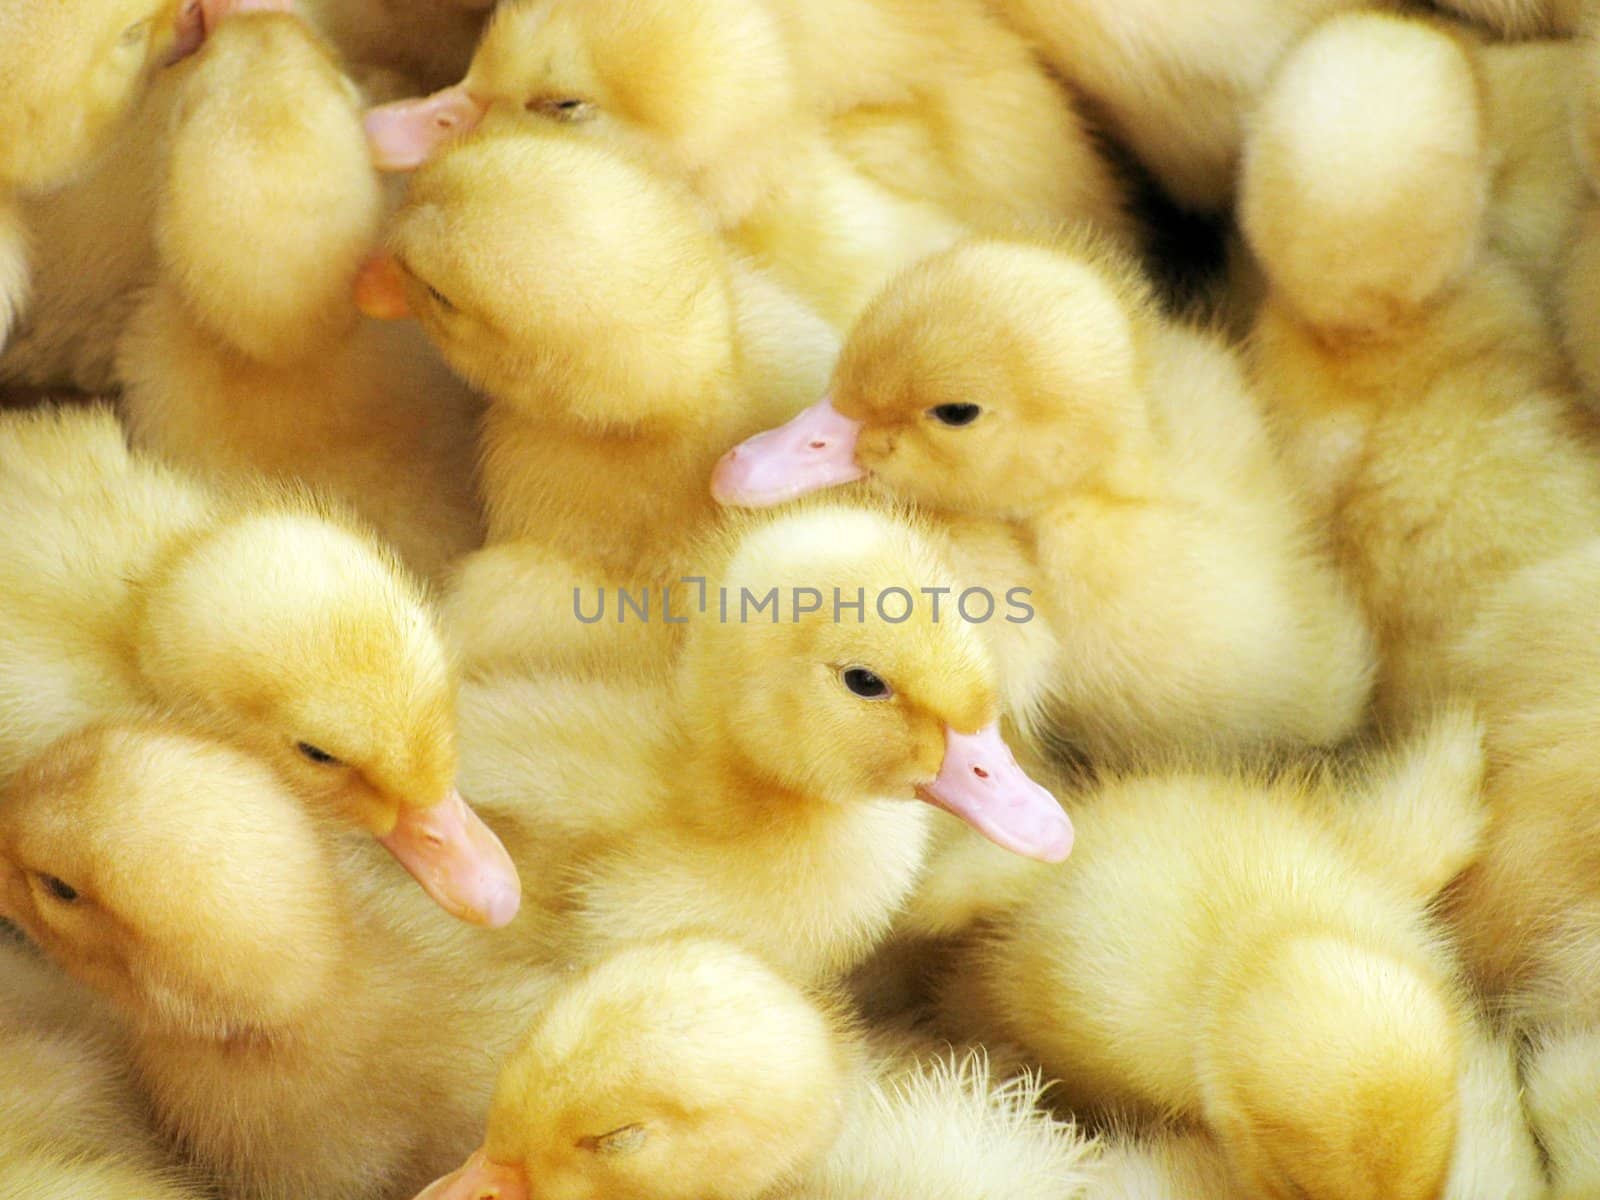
72,1124
260,615
713,88
1121,470
302,1023
749,793
624,351
248,355
1529,914
1176,83
686,1070
1579,292
1521,18
1563,1098
1215,953
1418,393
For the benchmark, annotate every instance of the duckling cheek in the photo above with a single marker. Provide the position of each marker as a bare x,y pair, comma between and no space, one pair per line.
817,449
981,783
404,135
479,1179
458,860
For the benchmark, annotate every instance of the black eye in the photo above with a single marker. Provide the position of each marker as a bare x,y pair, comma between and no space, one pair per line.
562,108
439,298
955,415
619,1141
865,684
315,753
59,888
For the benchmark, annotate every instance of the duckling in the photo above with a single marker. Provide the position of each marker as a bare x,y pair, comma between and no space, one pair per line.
263,614
688,1068
256,362
1217,954
1114,469
300,1024
1174,85
760,789
623,349
1528,914
709,88
71,1119
1563,1082
1419,394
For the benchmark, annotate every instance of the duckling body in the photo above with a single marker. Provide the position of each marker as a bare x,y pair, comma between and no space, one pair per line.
1417,388
71,1120
1563,1079
767,802
1220,955
300,1023
258,615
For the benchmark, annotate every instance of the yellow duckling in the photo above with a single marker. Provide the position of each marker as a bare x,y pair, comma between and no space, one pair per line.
623,349
300,1024
1111,467
710,87
687,1070
260,615
1174,84
763,790
1419,394
71,1121
246,356
1219,953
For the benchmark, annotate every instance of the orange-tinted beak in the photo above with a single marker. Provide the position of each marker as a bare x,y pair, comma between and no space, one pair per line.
380,288
458,860
479,1179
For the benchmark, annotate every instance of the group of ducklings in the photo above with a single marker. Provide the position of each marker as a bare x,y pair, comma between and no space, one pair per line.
619,455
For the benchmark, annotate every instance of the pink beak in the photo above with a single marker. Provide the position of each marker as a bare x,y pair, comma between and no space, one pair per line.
478,1179
817,449
981,783
198,20
458,861
404,135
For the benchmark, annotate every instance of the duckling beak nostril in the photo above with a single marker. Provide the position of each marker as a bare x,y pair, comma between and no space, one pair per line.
980,772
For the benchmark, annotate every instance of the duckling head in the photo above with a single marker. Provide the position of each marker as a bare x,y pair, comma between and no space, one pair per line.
675,1070
299,639
173,874
984,380
560,273
701,80
844,668
1366,174
74,71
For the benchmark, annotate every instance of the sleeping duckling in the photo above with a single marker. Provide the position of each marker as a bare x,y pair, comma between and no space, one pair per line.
1528,915
71,1120
262,614
762,790
1110,463
1174,83
623,349
238,363
1420,396
1217,954
301,1025
709,88
687,1070
1563,1082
